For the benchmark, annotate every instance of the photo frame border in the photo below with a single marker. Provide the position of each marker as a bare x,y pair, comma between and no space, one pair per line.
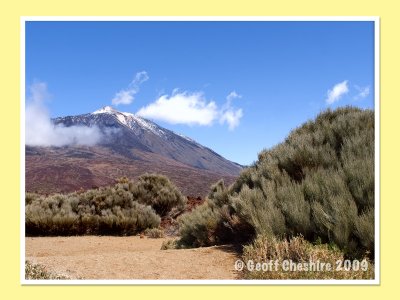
375,281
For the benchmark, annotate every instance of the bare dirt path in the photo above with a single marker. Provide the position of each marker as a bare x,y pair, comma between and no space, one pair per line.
105,257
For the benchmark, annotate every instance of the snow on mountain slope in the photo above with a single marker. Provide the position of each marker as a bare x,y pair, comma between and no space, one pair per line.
131,135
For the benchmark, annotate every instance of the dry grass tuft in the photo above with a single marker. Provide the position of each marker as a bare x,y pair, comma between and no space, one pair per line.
265,249
154,233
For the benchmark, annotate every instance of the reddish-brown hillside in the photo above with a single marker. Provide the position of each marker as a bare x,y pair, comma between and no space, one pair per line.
66,169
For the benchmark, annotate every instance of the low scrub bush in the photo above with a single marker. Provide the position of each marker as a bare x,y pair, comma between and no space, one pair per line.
169,244
110,210
158,192
154,233
36,272
198,228
213,222
127,208
31,197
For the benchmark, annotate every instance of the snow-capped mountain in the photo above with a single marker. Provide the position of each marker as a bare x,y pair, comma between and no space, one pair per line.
137,138
130,120
130,146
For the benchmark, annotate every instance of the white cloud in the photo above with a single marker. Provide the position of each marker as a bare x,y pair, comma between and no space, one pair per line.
40,131
337,92
233,95
127,96
140,77
229,114
363,92
232,117
181,108
192,109
123,97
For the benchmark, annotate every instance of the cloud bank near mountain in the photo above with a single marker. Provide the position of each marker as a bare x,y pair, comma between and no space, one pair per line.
40,130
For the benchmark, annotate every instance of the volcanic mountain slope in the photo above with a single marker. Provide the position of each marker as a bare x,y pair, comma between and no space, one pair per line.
127,134
130,146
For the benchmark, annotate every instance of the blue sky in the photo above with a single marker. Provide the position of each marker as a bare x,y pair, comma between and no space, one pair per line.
236,87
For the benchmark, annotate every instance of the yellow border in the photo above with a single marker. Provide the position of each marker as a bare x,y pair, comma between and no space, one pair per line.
9,124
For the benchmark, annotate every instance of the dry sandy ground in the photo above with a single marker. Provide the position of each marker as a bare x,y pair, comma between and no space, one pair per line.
105,257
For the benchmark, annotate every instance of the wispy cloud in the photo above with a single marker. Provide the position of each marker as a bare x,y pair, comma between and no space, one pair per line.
232,117
338,90
229,114
126,96
183,107
363,92
40,130
233,95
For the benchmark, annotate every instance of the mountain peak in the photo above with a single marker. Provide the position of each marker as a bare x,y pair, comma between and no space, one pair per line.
139,139
130,120
105,109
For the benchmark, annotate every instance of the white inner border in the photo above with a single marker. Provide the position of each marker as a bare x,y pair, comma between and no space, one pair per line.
375,281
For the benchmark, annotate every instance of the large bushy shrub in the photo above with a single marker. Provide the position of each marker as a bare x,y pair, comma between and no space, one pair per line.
318,183
158,192
198,228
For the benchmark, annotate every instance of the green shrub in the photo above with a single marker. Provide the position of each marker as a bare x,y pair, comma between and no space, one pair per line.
259,210
158,192
213,222
365,229
219,194
198,228
108,210
318,183
126,208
